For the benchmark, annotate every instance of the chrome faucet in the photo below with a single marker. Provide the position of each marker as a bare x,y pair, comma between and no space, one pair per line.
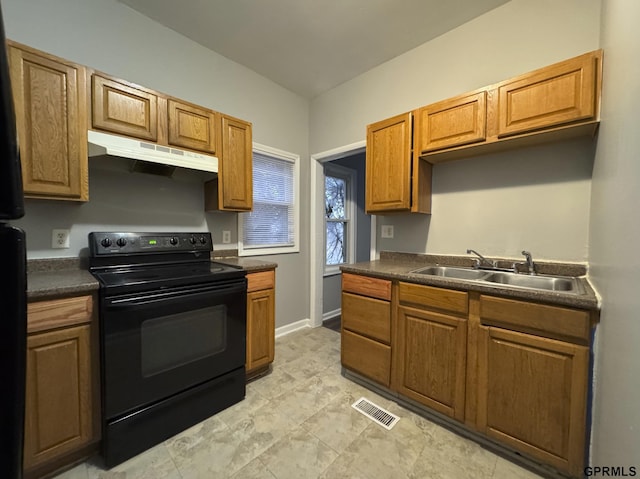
489,263
529,262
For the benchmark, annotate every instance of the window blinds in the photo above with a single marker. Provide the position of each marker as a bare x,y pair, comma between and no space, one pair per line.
271,223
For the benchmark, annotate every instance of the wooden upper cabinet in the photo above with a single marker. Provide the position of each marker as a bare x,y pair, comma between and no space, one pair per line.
552,103
124,108
561,93
532,396
454,122
388,165
235,168
51,110
192,127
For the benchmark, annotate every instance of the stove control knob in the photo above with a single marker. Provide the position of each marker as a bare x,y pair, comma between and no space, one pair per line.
203,240
173,240
192,240
106,242
121,242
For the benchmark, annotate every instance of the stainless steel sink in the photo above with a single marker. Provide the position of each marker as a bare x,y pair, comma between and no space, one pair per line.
545,283
452,272
548,283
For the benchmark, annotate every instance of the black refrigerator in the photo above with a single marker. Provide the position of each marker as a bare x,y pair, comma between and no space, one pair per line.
13,284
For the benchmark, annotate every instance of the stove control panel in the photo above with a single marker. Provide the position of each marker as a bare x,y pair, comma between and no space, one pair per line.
115,243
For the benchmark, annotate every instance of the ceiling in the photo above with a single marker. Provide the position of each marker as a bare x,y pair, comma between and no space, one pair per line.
311,46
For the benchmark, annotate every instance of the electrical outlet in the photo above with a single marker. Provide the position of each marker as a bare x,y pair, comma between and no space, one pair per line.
386,231
226,237
60,239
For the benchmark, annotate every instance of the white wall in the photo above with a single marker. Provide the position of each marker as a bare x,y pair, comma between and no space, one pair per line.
614,241
108,36
536,198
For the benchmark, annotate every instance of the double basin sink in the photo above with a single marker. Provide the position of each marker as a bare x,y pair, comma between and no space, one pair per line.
539,282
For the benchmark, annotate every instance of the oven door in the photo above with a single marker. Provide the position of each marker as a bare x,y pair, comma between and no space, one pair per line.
159,343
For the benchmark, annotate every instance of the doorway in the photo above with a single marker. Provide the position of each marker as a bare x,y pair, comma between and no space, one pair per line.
326,280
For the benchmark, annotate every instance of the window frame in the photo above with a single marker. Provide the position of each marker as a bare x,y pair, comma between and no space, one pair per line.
349,175
269,250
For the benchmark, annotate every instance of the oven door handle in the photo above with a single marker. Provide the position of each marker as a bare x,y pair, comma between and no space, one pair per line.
159,297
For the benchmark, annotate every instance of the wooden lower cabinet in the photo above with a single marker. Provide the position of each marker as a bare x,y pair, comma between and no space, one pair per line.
510,370
260,322
366,327
532,395
432,359
60,412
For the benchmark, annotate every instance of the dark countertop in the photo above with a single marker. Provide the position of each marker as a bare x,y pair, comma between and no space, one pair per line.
248,264
56,277
52,283
398,266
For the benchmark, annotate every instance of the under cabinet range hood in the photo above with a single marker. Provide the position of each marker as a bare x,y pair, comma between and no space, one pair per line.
151,158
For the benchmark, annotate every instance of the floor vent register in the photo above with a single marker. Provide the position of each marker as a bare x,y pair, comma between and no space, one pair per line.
375,413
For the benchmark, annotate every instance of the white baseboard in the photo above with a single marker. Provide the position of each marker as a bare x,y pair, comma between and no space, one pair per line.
290,328
331,314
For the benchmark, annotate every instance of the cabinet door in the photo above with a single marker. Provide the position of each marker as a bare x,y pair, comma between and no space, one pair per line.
50,106
532,395
235,166
192,127
555,95
124,109
453,122
58,415
388,165
432,359
260,329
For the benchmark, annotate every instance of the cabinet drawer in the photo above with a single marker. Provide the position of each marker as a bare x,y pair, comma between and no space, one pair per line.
373,287
434,298
56,313
261,280
366,316
367,357
540,319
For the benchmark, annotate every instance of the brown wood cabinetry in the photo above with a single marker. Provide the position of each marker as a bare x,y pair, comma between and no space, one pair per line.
61,412
388,164
123,108
510,370
396,179
51,110
191,126
454,122
532,395
533,369
366,327
562,93
232,190
260,321
555,102
432,347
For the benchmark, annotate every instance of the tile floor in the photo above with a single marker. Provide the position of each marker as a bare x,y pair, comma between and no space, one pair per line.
297,422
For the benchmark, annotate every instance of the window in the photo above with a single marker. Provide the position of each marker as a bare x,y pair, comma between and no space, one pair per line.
272,226
339,217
